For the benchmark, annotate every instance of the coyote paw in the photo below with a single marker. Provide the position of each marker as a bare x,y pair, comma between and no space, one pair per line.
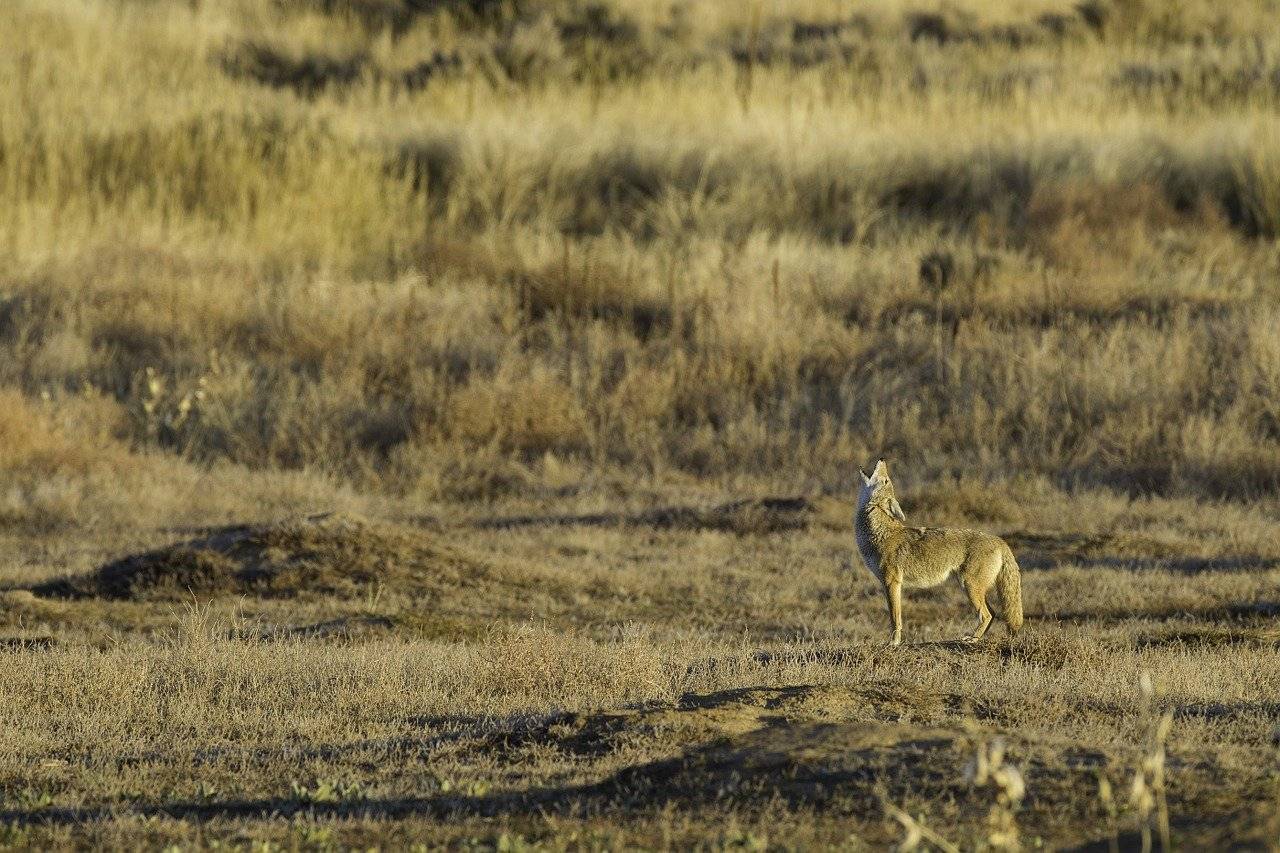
970,638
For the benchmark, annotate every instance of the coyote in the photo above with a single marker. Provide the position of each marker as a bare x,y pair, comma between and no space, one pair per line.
900,556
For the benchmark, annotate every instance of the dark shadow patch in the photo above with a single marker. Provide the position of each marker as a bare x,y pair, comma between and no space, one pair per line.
398,16
603,43
586,288
308,74
1249,476
1000,184
419,74
598,22
930,26
804,43
431,164
576,285
1045,550
809,31
1094,14
1208,81
1209,636
832,657
344,628
952,312
844,761
953,28
1227,710
747,516
1060,26
1128,551
1258,611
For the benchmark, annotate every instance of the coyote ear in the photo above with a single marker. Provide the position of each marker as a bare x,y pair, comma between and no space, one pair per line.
881,469
866,481
896,511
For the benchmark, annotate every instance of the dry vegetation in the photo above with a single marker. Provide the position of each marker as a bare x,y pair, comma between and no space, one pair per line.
395,397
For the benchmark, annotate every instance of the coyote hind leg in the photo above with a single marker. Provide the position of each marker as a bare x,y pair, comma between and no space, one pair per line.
974,588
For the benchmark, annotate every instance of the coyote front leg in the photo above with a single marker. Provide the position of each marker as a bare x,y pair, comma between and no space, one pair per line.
893,595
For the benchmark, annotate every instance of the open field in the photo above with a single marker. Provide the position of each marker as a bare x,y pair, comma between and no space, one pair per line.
653,678
435,422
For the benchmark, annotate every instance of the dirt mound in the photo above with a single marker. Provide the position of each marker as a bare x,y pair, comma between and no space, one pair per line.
333,555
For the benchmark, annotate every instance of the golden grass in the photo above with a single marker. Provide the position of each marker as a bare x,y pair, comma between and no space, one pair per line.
534,301
434,679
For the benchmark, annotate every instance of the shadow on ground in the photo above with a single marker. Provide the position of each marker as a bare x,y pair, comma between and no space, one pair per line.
1255,612
1128,551
745,516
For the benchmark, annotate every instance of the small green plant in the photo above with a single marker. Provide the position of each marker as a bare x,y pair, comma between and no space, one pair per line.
743,839
1106,796
328,791
507,842
471,788
264,846
31,799
988,769
160,408
14,835
372,597
1147,791
313,836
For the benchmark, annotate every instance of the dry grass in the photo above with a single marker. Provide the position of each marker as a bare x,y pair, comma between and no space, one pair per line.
639,272
431,422
636,678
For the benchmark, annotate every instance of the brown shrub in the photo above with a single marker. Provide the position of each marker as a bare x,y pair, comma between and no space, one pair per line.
529,413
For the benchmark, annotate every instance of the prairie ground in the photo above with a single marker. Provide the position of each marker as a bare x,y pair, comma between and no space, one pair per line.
594,673
435,422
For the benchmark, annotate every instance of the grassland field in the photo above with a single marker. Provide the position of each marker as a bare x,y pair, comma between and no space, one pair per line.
434,423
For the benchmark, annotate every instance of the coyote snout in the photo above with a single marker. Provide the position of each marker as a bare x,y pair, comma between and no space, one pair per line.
900,556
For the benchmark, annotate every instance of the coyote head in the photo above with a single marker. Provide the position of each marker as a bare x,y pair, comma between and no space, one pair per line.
878,490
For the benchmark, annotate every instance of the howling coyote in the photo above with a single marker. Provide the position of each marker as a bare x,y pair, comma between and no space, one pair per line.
900,556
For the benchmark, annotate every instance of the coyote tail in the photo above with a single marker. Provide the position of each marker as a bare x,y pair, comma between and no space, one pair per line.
1009,586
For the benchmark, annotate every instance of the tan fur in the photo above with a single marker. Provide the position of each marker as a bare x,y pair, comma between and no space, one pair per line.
913,557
